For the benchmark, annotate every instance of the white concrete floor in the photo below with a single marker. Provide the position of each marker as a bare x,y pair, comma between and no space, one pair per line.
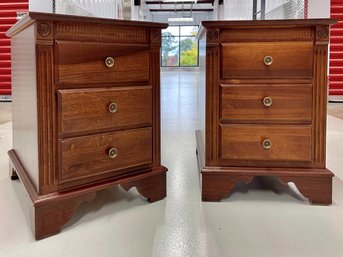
262,219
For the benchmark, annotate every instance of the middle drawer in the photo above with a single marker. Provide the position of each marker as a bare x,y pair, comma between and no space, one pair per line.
85,110
266,103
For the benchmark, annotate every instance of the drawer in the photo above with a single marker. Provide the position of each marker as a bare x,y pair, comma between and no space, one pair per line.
266,143
266,60
88,156
266,103
82,110
84,63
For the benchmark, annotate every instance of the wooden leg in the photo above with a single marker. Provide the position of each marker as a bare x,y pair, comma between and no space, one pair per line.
49,218
317,189
153,187
218,186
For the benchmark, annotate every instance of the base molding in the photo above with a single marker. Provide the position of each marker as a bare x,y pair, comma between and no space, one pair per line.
218,182
50,212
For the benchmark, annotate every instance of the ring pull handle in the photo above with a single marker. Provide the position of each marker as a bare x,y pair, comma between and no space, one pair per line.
112,108
112,153
267,101
267,144
109,62
268,60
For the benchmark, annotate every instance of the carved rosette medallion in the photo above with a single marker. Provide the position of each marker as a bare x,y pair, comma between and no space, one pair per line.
44,29
155,35
212,34
323,32
322,35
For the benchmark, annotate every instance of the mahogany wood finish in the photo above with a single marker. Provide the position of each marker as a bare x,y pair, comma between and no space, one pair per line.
87,64
79,108
92,118
290,103
245,142
147,187
245,59
263,105
87,156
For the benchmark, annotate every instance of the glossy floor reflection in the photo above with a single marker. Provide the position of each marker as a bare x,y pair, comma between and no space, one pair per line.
264,218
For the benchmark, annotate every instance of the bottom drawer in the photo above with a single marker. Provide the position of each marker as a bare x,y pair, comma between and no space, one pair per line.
266,143
93,155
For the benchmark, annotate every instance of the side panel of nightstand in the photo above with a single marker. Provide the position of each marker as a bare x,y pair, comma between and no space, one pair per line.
202,97
24,103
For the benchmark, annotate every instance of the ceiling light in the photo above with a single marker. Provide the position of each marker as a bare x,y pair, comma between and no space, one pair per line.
180,19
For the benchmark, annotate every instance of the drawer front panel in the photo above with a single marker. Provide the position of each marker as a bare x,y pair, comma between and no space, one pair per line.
89,156
266,143
266,103
84,110
80,63
250,60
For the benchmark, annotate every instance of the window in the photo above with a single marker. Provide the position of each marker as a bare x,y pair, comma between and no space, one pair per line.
179,46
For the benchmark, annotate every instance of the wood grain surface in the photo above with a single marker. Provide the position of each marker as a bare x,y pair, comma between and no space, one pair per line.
246,60
89,155
63,128
87,110
244,142
243,103
86,64
238,79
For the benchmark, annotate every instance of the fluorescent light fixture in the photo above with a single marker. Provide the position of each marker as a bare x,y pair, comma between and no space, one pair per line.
181,19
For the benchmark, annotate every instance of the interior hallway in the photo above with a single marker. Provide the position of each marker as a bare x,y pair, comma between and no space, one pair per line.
264,218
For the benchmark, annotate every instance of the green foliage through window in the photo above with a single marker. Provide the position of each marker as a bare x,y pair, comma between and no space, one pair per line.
179,46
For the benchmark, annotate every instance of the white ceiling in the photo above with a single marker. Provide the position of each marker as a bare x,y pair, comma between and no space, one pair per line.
177,6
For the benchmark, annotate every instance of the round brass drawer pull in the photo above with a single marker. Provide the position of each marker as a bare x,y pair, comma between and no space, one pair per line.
112,153
112,107
267,144
109,62
267,101
268,60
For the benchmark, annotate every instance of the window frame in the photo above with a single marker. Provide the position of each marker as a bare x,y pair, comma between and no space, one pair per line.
179,36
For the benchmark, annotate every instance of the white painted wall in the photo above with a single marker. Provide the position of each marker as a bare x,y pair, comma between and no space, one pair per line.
318,8
40,6
231,10
106,9
272,4
243,9
94,8
218,11
238,10
198,17
140,13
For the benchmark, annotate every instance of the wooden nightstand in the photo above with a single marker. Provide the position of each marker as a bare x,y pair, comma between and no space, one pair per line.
86,111
263,98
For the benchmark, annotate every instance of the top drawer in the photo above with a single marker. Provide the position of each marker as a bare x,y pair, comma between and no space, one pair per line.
80,63
266,60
